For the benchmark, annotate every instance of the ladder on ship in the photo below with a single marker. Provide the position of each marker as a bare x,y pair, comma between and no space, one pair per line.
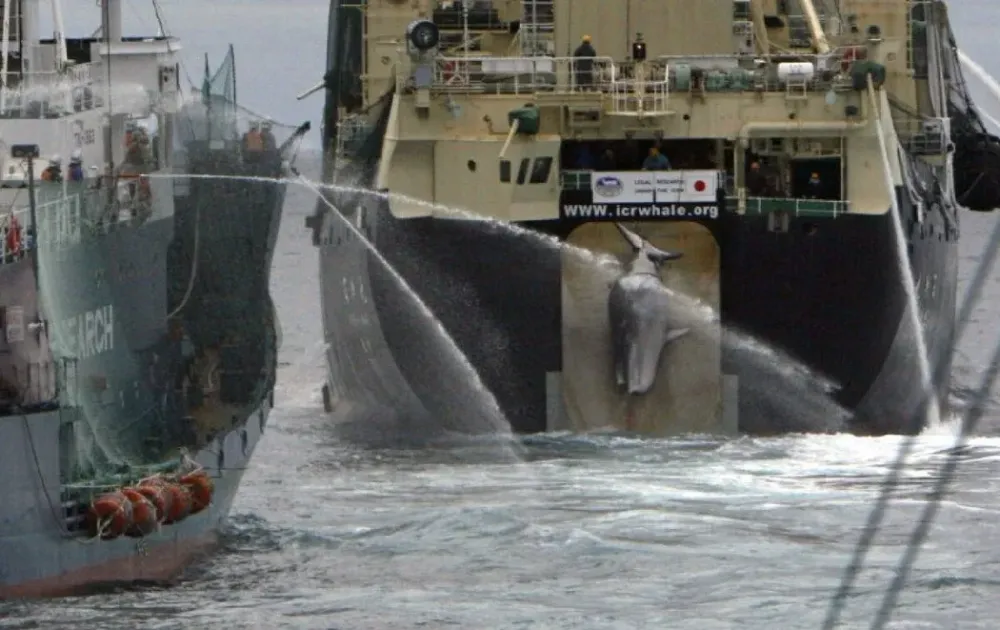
538,26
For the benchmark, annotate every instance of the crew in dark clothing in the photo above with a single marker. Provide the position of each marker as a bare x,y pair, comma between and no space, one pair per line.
584,158
656,161
267,136
607,161
584,62
814,189
756,182
76,166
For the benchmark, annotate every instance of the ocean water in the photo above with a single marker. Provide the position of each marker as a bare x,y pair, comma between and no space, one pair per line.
583,532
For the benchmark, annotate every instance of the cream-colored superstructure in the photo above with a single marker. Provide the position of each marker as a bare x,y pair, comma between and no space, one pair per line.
789,82
450,115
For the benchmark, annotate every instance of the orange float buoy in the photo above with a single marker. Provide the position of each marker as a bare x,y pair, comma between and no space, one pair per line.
144,519
180,503
110,515
157,495
200,487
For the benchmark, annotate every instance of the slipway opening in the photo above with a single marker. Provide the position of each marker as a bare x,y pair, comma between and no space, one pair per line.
687,393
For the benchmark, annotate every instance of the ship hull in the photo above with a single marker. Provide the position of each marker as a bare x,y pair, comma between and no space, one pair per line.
827,294
38,560
114,378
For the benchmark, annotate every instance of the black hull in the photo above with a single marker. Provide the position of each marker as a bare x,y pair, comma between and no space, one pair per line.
828,294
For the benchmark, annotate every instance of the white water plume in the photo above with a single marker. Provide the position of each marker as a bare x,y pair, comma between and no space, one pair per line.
933,412
486,399
797,399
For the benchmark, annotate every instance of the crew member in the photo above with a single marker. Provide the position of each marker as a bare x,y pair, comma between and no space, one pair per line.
76,166
53,172
814,189
584,62
253,143
656,161
756,182
607,161
267,138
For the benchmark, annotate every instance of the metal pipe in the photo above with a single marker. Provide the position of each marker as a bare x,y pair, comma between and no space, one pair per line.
811,126
820,43
510,137
113,24
5,51
62,57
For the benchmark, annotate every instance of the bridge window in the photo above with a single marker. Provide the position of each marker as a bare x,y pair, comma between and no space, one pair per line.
505,171
541,170
522,171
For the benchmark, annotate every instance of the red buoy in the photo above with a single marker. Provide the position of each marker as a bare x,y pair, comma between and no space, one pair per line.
180,503
200,486
144,519
158,496
110,516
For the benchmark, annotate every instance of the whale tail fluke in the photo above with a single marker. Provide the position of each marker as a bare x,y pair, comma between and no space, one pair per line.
642,247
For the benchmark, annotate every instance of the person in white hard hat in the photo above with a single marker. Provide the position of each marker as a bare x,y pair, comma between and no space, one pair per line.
76,166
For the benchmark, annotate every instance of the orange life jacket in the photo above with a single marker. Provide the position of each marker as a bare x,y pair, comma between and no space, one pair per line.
255,141
13,240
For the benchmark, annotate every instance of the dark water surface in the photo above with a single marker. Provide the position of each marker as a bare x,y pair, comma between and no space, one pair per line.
585,532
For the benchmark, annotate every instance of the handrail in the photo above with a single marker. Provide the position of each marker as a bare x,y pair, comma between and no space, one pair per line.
596,75
53,92
798,207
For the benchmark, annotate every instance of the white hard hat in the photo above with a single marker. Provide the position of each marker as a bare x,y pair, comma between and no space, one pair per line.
76,155
55,159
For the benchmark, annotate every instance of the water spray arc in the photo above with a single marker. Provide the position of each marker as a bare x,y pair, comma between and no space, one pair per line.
943,480
485,398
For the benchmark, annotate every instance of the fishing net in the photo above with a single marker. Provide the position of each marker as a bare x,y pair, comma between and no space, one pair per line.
153,275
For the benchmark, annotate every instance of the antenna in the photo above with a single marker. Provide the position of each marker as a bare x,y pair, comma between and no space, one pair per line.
62,57
111,24
4,52
465,27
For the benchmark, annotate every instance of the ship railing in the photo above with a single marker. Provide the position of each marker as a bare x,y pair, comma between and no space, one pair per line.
827,208
575,179
523,75
743,73
60,219
604,76
532,75
645,90
68,213
923,136
51,94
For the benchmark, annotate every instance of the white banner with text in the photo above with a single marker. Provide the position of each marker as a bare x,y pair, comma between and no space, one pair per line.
655,187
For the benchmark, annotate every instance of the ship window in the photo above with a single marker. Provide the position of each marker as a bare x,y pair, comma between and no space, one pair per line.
522,171
541,169
505,171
